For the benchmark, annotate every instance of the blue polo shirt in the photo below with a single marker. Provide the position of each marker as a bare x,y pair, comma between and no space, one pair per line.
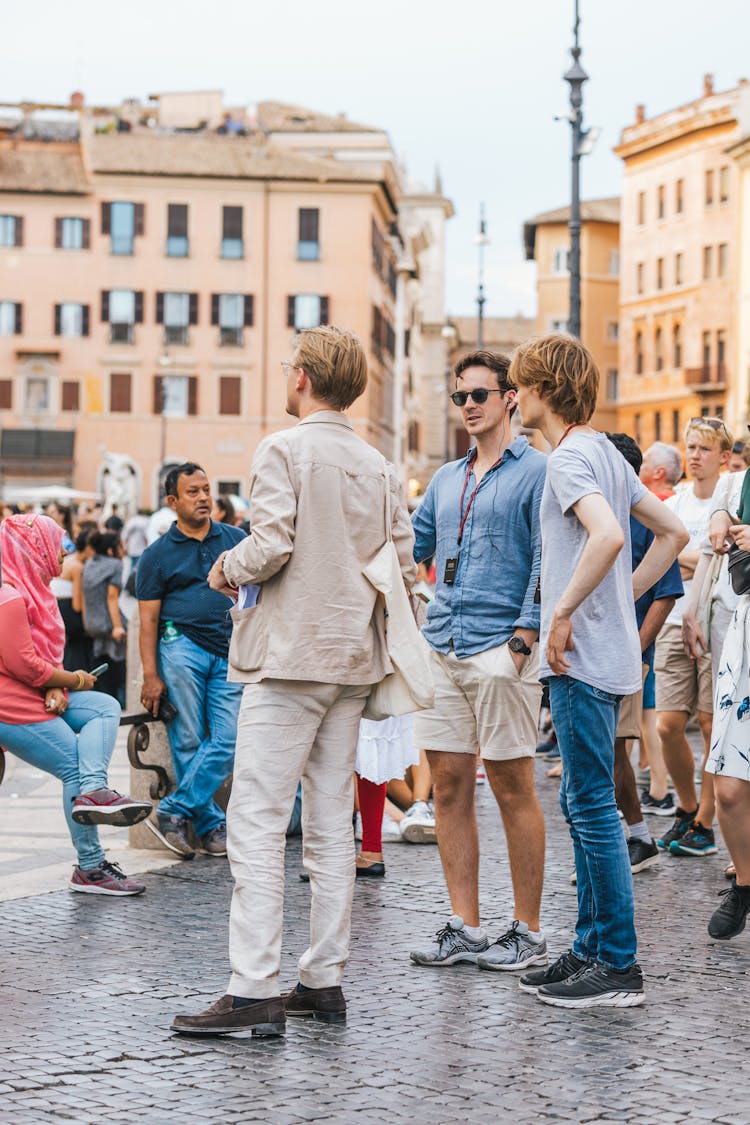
668,586
173,570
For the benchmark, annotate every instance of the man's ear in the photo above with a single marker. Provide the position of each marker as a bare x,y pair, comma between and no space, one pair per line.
171,502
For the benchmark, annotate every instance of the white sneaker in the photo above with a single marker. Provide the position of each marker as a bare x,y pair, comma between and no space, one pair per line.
481,775
418,825
390,830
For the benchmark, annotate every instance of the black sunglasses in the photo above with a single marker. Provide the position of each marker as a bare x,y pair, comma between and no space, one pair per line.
460,398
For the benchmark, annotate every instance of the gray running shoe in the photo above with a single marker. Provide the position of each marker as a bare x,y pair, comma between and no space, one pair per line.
514,950
172,831
452,945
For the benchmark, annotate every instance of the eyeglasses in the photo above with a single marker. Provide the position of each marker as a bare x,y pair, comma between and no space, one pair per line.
460,398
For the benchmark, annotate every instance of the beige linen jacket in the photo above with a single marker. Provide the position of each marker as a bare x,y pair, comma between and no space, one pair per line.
317,512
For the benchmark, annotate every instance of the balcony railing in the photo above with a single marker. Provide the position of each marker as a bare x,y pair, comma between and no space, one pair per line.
709,377
121,333
175,334
231,337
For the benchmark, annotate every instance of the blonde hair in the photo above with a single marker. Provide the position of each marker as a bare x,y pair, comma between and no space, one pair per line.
334,362
707,428
564,373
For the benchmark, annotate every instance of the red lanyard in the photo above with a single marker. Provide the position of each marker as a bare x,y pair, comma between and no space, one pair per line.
572,426
465,515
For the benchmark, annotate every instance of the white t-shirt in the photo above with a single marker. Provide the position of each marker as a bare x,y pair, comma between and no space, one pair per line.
696,516
726,495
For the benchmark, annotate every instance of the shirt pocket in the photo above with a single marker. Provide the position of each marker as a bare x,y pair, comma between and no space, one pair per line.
247,647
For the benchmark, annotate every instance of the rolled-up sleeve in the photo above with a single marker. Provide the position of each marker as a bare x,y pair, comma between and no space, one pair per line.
273,512
21,660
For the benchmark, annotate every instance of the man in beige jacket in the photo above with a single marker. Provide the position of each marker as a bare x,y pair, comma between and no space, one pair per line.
308,651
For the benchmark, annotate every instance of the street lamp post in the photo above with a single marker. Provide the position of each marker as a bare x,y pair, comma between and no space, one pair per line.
481,241
575,77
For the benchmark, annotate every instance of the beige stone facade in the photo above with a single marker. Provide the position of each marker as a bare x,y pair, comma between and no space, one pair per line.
151,281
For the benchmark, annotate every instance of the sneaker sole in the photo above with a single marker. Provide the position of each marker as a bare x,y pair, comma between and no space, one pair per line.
657,812
125,816
649,862
157,832
680,849
537,959
456,959
530,989
104,891
419,834
606,1000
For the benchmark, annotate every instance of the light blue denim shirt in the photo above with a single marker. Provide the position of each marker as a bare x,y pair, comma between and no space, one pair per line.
500,555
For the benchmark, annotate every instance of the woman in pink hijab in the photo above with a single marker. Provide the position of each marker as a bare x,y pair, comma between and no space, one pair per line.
49,717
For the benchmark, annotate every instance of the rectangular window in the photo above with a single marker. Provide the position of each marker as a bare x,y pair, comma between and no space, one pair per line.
71,320
6,394
72,234
660,201
175,396
120,392
558,325
11,230
308,245
121,314
173,311
122,228
638,430
613,331
708,255
228,488
376,240
706,338
657,426
724,183
177,230
679,197
722,263
614,263
561,260
612,384
230,392
231,318
675,426
721,348
709,187
70,395
678,269
659,273
307,310
639,277
37,395
11,318
641,208
232,245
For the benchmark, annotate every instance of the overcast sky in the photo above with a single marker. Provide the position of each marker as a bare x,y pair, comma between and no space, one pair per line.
469,86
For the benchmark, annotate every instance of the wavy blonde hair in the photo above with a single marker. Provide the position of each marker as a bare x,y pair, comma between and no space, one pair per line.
564,373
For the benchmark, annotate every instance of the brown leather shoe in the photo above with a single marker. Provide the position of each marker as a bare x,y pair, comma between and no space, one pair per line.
260,1017
325,1004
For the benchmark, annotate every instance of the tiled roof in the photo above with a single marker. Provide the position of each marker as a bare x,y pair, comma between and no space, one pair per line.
592,211
278,117
43,169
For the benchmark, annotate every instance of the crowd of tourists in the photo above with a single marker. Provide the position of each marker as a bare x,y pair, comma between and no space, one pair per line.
599,586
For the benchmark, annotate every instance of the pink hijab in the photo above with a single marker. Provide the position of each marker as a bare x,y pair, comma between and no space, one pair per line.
29,550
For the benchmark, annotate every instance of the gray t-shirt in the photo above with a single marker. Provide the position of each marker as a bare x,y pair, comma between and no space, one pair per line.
606,650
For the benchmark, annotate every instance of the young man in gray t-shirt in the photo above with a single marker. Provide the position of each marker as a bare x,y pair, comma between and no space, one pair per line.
590,654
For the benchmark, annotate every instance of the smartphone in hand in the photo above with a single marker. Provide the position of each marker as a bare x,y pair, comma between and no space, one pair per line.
100,670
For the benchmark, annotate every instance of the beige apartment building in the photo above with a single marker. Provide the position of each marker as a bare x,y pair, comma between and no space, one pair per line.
740,356
680,256
547,242
156,261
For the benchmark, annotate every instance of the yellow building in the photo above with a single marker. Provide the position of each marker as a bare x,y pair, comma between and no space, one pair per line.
547,242
678,331
739,153
156,261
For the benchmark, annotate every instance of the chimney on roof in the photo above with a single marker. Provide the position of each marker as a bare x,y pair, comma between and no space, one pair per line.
640,114
77,100
708,85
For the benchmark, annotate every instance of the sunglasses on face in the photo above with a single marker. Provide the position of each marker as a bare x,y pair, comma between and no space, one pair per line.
460,398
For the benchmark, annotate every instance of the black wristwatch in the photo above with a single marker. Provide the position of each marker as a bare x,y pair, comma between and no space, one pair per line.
518,644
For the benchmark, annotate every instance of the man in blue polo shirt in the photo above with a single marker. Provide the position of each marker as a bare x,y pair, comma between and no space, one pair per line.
184,642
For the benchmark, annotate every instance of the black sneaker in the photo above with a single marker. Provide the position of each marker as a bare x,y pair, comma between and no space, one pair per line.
564,967
682,822
659,806
729,920
696,841
642,854
596,986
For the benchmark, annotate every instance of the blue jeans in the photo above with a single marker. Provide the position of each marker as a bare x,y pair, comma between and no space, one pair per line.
202,735
585,721
76,747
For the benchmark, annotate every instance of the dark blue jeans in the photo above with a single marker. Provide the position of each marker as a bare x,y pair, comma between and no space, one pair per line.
585,720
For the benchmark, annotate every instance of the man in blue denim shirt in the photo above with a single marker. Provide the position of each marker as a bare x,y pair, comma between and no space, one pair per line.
480,517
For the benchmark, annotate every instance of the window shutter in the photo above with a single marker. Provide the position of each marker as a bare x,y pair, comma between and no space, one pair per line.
85,320
192,394
138,309
248,317
290,312
231,222
214,308
120,383
19,319
70,395
193,312
58,234
106,218
86,234
6,394
104,312
19,230
158,393
159,308
308,224
324,310
229,394
177,220
58,320
139,219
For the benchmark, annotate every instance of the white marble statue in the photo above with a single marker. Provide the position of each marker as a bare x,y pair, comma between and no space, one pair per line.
119,485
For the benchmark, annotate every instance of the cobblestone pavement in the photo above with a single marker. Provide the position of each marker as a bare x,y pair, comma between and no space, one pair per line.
88,987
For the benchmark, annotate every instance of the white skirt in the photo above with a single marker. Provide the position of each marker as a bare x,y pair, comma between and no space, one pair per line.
386,749
730,737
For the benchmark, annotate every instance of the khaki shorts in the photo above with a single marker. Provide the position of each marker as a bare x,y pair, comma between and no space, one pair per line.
631,712
482,701
682,684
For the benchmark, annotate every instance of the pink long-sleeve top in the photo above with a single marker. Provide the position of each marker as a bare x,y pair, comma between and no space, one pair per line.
22,670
